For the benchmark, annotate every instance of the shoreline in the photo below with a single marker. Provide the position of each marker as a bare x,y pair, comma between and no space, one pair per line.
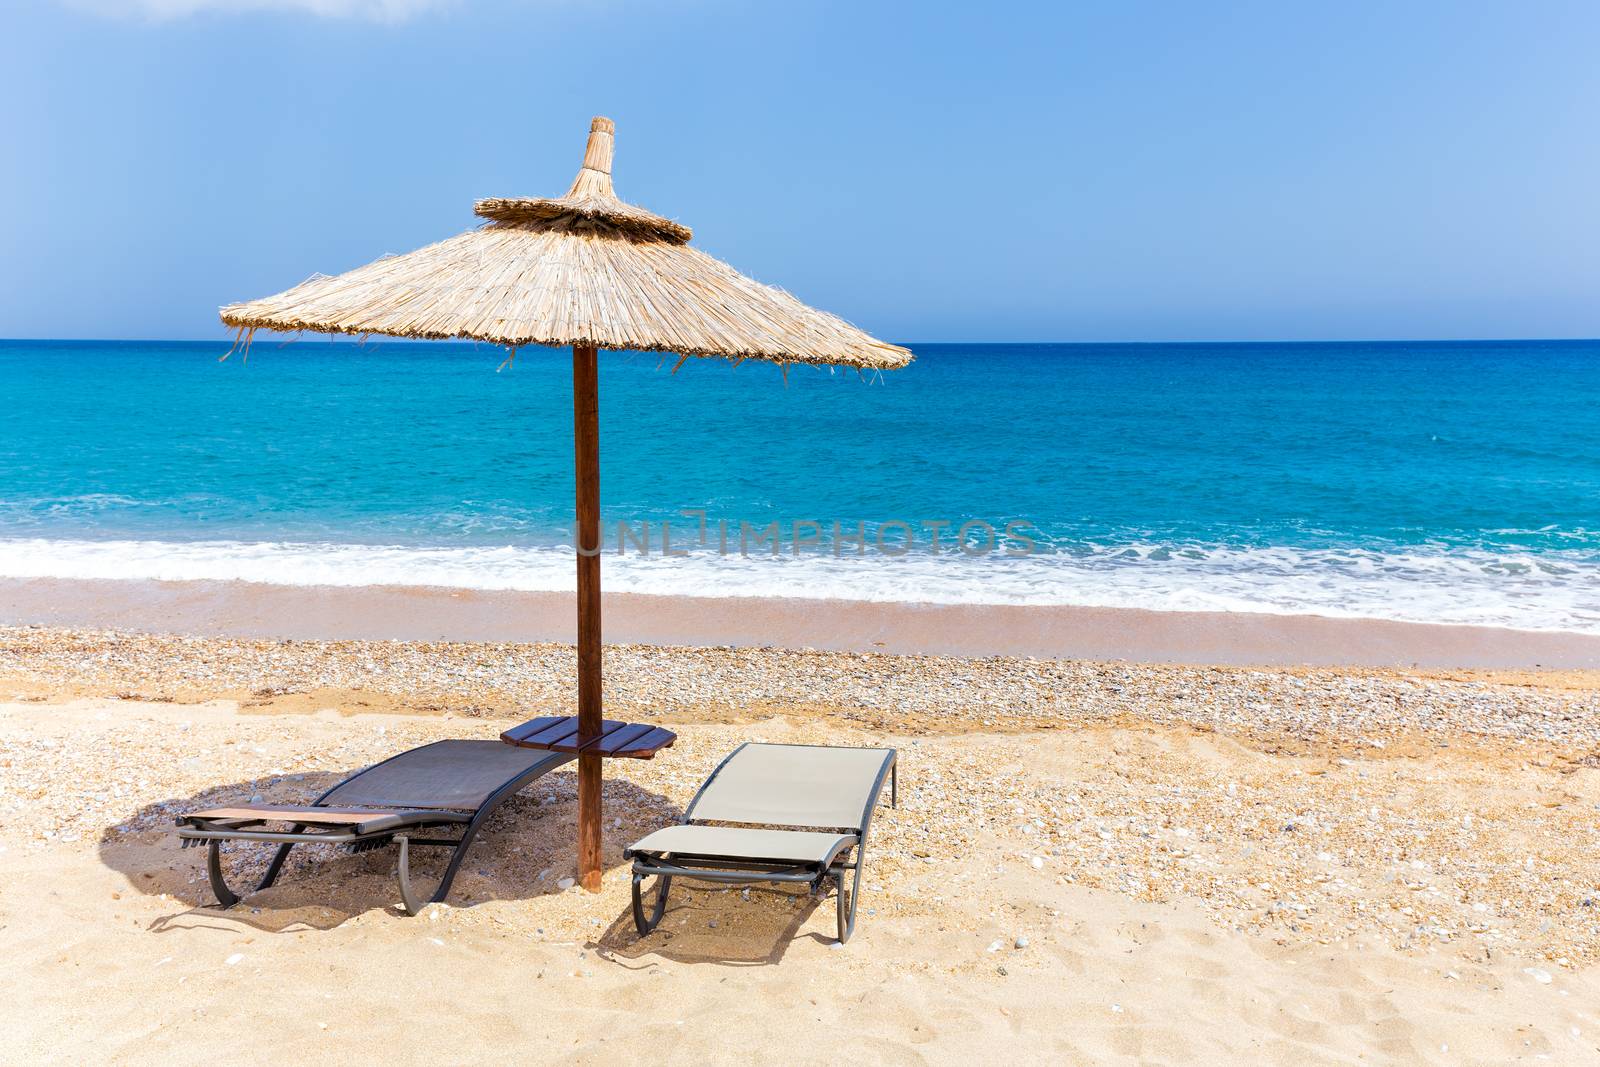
418,613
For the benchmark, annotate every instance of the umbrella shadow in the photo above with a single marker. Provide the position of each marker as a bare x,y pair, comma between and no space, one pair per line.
522,852
751,925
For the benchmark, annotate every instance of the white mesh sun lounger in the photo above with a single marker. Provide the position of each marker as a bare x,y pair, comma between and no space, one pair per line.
814,804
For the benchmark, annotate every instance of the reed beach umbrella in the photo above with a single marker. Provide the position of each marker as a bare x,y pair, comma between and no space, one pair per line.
590,271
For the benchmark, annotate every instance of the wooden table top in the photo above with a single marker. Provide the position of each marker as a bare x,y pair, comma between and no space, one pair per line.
559,733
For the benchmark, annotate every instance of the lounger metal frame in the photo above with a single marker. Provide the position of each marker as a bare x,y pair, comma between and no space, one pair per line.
303,833
713,869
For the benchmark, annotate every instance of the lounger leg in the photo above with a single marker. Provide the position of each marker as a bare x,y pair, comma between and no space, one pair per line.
275,866
459,854
407,896
663,885
414,907
847,909
226,897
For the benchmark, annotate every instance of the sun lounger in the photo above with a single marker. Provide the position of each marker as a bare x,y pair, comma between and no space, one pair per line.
813,805
448,785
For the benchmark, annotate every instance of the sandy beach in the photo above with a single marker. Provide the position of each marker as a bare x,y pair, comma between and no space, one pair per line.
1091,862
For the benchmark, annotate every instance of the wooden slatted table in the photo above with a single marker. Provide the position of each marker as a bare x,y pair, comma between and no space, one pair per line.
559,733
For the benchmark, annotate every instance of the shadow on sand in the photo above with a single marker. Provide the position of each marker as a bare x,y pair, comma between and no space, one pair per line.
522,852
709,923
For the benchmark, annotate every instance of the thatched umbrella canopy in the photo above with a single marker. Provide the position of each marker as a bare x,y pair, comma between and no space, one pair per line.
591,271
581,269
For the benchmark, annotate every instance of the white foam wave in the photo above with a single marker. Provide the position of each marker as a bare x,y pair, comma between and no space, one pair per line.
1544,591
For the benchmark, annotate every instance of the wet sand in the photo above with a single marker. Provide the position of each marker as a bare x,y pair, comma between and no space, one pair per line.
242,609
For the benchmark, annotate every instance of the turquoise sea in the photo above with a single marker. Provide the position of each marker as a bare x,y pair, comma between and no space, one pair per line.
1454,482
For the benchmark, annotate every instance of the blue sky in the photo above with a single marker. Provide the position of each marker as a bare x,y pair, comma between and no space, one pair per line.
1063,171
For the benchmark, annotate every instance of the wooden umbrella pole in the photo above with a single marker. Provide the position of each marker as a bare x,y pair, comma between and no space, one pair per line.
586,441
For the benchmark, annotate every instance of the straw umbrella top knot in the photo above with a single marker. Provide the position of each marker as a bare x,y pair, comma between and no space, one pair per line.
591,199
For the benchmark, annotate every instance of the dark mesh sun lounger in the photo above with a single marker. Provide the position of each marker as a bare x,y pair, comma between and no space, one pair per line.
815,803
445,784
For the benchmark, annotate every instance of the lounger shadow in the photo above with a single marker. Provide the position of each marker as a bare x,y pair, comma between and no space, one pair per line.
803,813
447,785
